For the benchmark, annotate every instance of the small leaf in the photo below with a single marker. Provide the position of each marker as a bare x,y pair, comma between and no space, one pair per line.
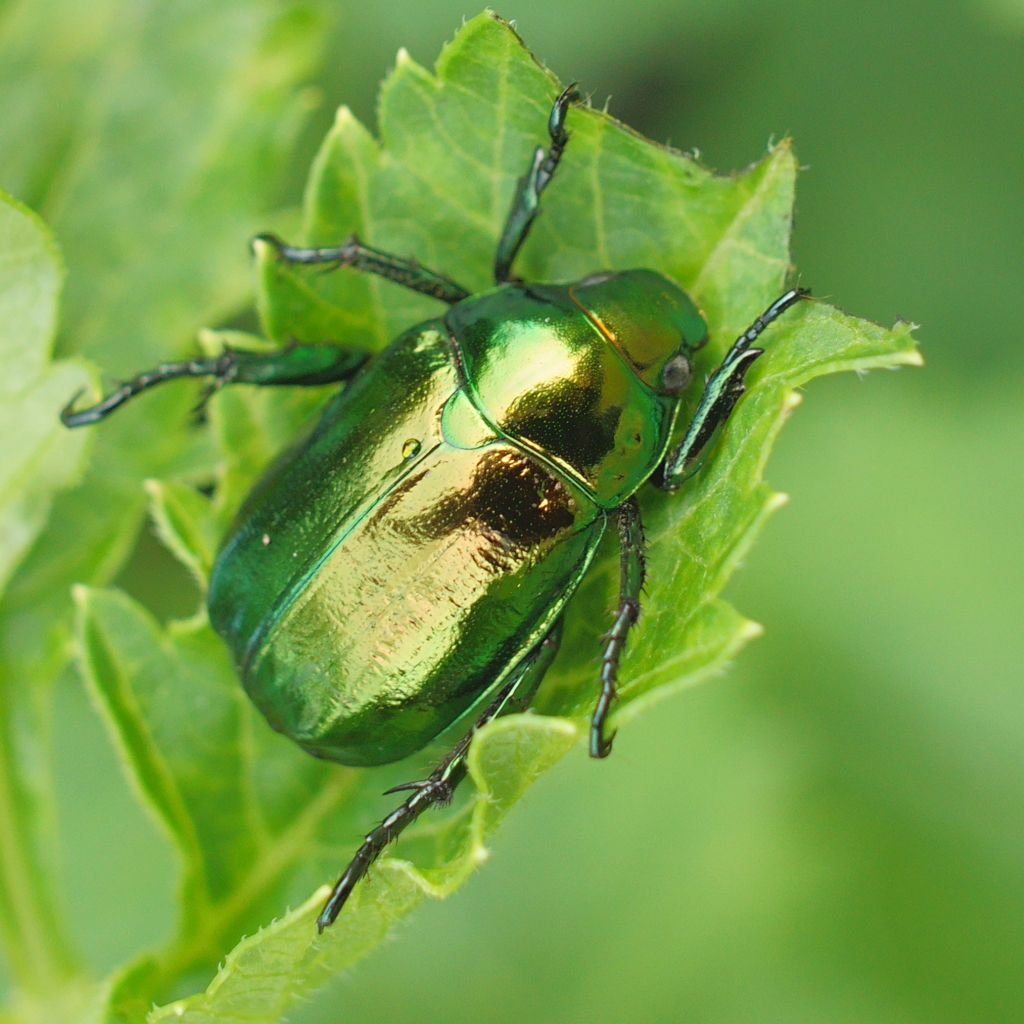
39,458
40,455
184,523
264,974
251,425
240,802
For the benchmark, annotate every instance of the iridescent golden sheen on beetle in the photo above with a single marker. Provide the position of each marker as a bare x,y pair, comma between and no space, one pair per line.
401,583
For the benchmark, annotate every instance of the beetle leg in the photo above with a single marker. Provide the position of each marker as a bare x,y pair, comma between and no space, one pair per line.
439,788
527,198
353,253
631,581
721,393
297,364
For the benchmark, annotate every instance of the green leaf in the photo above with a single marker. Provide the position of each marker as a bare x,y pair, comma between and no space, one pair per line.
250,426
181,517
40,457
259,825
263,975
153,138
240,802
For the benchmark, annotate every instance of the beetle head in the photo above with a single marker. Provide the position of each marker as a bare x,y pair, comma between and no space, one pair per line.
651,321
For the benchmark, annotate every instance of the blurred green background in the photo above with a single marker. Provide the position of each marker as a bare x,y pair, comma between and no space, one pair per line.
834,832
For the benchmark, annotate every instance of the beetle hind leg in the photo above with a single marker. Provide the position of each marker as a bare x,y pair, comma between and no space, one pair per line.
439,788
631,581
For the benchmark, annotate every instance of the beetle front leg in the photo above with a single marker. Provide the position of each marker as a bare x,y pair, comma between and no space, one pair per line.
353,253
301,365
527,197
439,787
632,569
721,393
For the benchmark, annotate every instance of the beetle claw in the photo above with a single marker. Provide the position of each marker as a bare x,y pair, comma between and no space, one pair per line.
421,784
600,745
440,791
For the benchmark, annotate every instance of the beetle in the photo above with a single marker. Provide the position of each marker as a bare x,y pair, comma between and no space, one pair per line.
409,561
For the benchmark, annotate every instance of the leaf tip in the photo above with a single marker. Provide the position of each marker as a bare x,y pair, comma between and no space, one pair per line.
750,630
263,250
209,342
790,401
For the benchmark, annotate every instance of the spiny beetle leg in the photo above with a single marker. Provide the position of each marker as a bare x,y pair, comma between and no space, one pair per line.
303,365
527,197
353,253
632,569
721,393
439,788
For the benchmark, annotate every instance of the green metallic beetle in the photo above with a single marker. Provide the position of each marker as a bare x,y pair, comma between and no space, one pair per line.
410,560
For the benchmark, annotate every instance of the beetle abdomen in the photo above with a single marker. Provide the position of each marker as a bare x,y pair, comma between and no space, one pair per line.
430,599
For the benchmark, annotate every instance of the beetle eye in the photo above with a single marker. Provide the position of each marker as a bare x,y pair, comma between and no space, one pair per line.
676,374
